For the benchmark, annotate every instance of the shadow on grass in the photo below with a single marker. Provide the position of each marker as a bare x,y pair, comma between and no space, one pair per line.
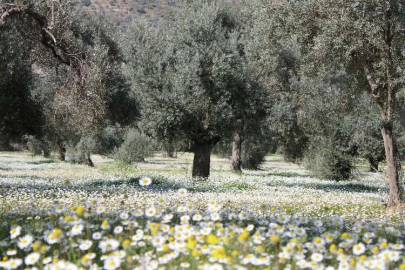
23,176
39,162
349,187
164,162
161,184
4,168
287,174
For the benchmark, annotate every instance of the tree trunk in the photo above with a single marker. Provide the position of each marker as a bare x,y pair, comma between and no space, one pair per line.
89,162
394,167
170,151
237,151
373,163
47,152
62,153
202,158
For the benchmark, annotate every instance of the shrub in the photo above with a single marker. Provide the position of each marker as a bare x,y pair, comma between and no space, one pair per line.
86,3
253,153
34,145
327,160
80,153
111,137
223,148
136,147
257,142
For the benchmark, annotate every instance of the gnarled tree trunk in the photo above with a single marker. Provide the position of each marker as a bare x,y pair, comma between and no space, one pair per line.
202,158
385,98
373,160
89,162
237,151
62,153
394,167
47,152
170,151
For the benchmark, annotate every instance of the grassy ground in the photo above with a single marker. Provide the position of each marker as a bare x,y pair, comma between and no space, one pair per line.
34,182
277,217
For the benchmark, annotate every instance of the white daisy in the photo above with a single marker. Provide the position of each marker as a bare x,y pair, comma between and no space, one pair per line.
145,181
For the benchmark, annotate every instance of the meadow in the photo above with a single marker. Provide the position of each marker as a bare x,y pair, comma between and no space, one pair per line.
153,215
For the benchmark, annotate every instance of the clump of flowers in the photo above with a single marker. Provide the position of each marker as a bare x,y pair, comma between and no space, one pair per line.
88,236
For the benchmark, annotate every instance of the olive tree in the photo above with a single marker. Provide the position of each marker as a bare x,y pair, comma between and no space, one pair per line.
190,75
366,39
81,68
20,114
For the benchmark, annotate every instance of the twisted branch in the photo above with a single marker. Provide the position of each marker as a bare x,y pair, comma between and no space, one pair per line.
48,38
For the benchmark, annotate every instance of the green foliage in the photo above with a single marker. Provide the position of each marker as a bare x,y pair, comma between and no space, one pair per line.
34,145
190,73
80,152
258,140
136,147
20,114
86,3
329,161
110,138
223,148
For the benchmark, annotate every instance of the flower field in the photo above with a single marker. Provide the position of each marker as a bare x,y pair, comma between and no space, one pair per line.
154,216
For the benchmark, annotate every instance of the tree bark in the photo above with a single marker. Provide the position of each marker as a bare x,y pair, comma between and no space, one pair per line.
202,158
373,163
47,152
385,98
89,162
170,151
237,151
394,167
62,153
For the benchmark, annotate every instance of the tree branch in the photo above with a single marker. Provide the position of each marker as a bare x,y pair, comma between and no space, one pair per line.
48,38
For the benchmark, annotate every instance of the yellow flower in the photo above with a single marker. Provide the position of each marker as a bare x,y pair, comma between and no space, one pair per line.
318,240
43,249
218,253
68,219
85,259
243,237
80,211
191,242
332,247
274,239
259,248
196,253
212,239
126,243
36,246
56,232
105,223
235,253
165,248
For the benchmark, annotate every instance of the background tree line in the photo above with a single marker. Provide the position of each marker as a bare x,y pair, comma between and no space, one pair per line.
319,81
